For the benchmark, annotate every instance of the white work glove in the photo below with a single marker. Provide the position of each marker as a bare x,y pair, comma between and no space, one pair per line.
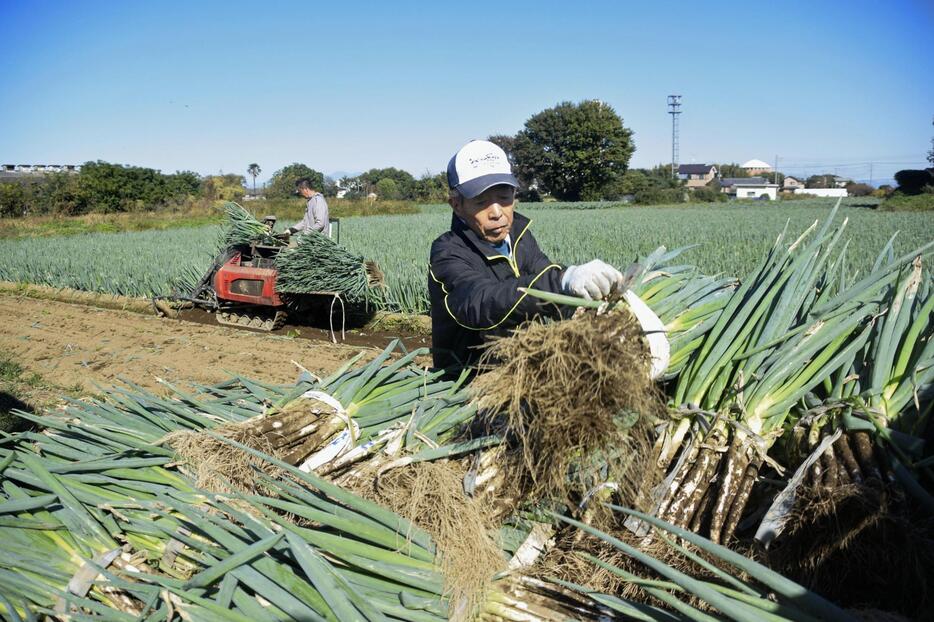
654,331
593,280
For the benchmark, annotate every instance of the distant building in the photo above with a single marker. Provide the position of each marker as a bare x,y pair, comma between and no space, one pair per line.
823,192
16,170
727,183
792,183
756,167
841,182
697,175
749,187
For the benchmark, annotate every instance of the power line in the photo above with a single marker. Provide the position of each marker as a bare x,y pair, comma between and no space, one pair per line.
886,156
791,163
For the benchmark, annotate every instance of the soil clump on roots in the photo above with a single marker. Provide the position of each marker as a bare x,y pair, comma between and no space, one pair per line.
575,401
218,466
431,496
290,433
861,546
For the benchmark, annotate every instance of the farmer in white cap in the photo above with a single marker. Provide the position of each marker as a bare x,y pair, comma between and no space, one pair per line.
477,268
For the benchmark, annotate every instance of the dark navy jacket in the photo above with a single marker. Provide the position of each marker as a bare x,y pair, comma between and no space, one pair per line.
473,289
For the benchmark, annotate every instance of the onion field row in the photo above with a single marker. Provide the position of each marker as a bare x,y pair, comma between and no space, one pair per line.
729,240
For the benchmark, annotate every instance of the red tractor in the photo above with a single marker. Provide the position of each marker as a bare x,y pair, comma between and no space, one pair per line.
240,288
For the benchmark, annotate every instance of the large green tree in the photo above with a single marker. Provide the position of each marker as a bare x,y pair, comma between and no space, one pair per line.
282,184
574,151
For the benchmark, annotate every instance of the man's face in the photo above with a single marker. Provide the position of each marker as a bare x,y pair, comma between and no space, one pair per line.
304,192
489,214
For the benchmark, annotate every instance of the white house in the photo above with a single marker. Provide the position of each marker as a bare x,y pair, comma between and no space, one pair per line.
754,189
727,183
792,183
823,192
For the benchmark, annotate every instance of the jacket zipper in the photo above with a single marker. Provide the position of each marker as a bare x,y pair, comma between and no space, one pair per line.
512,260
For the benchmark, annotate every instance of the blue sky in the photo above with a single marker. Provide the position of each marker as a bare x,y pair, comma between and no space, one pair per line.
213,86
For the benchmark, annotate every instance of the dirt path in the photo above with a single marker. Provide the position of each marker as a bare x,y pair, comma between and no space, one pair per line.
71,345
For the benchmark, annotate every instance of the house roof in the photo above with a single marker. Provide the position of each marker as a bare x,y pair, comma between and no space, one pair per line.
726,182
694,169
755,164
753,182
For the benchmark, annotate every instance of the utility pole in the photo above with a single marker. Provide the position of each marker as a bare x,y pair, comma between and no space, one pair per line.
674,109
870,173
775,176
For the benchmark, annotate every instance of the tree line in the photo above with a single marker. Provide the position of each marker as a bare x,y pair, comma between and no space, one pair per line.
103,187
570,152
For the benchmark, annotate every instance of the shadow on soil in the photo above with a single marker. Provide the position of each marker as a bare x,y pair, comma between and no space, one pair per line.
317,320
10,422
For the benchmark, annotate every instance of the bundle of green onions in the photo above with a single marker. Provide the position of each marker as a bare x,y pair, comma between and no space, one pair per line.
882,390
367,415
102,521
784,332
123,537
242,228
319,264
101,482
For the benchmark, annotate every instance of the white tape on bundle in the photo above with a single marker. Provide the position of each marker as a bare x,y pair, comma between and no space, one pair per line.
340,444
654,331
362,450
539,540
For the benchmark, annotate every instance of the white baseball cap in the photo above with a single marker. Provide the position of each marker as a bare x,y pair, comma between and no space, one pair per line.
479,165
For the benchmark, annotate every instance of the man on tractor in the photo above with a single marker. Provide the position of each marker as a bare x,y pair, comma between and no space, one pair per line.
316,210
477,267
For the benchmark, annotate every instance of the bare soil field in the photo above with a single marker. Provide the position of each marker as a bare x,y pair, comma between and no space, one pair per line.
77,345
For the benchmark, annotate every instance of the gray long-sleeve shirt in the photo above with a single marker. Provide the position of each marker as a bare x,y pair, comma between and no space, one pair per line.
316,216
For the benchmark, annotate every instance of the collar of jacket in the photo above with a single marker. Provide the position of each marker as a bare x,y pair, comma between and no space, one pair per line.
519,224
